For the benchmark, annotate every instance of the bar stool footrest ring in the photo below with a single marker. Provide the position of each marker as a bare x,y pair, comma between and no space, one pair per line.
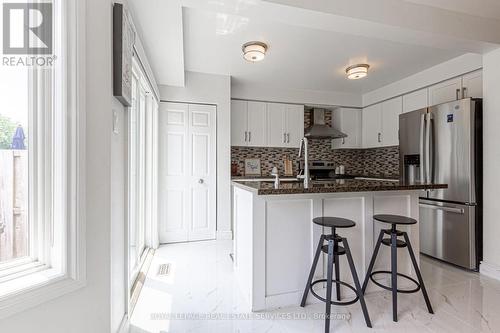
404,291
334,302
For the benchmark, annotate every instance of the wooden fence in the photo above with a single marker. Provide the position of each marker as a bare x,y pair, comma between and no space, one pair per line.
13,204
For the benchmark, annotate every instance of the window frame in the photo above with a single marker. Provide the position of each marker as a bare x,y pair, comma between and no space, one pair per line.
56,262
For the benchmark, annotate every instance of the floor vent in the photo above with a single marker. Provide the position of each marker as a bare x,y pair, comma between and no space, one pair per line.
163,270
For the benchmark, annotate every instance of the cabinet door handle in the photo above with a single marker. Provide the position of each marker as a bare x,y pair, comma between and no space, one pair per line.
249,136
246,136
379,137
343,141
458,94
284,137
288,138
464,92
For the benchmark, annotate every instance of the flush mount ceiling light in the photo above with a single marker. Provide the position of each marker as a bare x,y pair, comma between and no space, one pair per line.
254,51
357,71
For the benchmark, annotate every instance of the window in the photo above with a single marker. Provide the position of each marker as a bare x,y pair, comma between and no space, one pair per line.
140,143
41,233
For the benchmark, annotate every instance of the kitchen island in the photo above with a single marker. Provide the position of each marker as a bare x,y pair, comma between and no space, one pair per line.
275,239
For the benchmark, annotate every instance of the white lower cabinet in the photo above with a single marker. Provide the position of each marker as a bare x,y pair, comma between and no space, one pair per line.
347,121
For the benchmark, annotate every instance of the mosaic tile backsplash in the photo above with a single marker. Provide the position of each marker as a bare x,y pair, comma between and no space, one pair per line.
374,161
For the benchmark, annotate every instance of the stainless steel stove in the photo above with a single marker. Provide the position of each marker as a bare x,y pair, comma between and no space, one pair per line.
323,171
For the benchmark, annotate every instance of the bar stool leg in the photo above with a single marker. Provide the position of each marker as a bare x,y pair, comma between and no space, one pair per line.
313,270
394,276
337,268
417,271
329,286
356,282
372,261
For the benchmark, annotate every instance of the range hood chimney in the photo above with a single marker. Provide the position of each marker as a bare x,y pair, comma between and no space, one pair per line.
319,129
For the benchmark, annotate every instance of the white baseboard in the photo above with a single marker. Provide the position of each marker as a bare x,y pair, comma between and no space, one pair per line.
225,235
490,270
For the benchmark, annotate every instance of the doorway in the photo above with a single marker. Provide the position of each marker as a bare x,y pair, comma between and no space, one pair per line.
187,172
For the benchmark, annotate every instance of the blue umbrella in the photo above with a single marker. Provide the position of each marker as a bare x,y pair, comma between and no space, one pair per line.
18,138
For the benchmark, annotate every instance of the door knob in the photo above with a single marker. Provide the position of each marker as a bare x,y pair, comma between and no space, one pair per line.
201,181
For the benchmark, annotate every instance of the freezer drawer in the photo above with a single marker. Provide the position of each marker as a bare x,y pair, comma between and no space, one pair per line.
447,232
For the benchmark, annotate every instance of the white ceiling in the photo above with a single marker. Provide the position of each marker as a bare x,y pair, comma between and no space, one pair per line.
311,42
298,57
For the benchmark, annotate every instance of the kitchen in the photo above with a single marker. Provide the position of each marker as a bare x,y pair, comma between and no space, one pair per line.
303,146
237,166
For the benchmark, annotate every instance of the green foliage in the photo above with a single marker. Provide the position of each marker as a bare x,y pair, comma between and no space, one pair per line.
7,130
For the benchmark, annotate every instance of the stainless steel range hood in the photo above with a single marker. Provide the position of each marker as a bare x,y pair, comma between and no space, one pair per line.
319,129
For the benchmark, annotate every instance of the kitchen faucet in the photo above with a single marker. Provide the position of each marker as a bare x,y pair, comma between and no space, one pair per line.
304,142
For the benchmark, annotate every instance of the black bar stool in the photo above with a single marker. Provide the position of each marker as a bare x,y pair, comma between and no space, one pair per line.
395,243
334,251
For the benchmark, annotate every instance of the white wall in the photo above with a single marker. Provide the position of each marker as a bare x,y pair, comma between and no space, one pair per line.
491,164
212,89
444,71
299,96
88,309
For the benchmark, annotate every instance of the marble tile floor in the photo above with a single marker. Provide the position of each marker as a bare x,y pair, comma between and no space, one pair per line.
200,295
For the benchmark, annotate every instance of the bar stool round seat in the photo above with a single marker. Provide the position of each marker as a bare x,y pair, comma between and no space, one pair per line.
334,250
334,222
394,243
394,219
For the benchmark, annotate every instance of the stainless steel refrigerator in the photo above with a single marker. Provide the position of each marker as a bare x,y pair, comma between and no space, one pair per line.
443,144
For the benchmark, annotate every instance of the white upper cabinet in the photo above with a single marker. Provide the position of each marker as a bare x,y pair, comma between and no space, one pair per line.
239,120
446,91
257,124
294,128
391,110
381,123
371,126
472,85
347,121
416,100
276,125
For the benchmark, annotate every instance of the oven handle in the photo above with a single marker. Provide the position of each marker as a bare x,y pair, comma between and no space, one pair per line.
443,208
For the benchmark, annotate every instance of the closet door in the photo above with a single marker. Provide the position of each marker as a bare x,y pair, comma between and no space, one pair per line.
187,172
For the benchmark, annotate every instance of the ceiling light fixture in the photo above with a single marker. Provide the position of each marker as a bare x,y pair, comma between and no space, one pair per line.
254,51
357,71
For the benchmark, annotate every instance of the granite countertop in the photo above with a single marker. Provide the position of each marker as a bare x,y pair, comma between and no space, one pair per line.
341,185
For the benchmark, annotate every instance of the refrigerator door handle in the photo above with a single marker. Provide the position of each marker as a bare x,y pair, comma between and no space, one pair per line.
428,148
443,208
421,148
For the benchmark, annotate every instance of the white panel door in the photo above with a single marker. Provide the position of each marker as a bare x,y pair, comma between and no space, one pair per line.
371,126
416,100
276,125
391,110
446,91
472,85
187,175
239,121
294,125
202,173
257,128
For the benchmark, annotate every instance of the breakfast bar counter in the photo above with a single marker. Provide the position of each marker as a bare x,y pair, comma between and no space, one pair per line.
275,239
